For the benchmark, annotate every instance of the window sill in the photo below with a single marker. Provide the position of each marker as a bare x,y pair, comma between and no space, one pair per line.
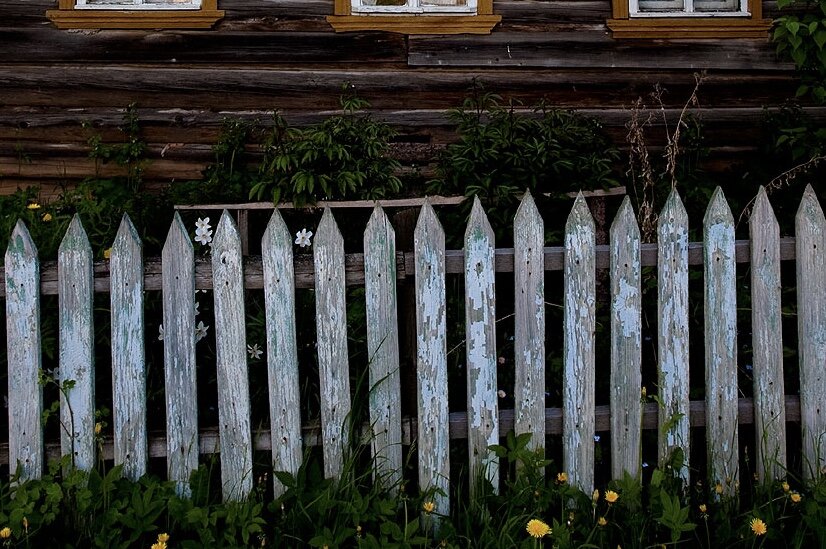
693,27
109,19
416,24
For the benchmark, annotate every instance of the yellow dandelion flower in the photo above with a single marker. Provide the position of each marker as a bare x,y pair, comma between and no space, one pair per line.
758,527
163,538
159,545
98,429
611,496
718,488
428,507
795,497
595,496
785,486
5,533
537,529
602,521
47,217
33,206
703,508
644,392
562,478
107,253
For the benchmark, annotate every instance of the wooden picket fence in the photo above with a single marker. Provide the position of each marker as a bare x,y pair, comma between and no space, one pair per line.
128,276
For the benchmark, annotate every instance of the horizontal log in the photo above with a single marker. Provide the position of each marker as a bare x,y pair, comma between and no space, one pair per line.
209,442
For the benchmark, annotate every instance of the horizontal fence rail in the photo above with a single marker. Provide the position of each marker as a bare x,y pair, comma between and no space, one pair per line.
127,276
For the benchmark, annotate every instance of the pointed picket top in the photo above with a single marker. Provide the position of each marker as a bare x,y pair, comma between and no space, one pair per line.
810,232
22,274
767,341
578,347
431,356
282,349
626,353
231,361
480,342
383,348
76,345
178,274
529,322
331,322
720,294
128,359
672,269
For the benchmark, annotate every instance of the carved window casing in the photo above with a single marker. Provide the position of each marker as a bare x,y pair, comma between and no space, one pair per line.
135,14
688,19
415,16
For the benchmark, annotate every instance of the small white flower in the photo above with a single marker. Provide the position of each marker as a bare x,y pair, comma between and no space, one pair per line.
53,373
197,312
644,464
202,225
596,438
200,331
254,351
160,332
203,237
302,238
501,393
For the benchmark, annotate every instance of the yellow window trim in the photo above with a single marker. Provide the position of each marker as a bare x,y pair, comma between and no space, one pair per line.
67,17
481,23
754,26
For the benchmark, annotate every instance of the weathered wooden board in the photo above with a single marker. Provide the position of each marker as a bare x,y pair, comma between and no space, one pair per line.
23,354
810,230
529,323
331,325
231,361
431,358
720,310
128,359
76,343
672,336
480,344
383,348
282,349
626,344
579,356
179,355
767,341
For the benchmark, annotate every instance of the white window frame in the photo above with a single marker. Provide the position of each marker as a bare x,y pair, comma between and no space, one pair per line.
414,7
138,5
688,11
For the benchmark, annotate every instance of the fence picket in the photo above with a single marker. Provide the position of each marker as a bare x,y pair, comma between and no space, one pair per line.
23,354
810,230
626,352
331,322
578,347
431,352
77,346
178,275
128,359
529,324
767,341
480,325
383,348
720,294
231,361
282,349
672,340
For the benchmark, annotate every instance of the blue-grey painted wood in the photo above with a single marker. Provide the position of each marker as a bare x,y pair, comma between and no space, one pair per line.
231,361
22,270
75,280
282,349
128,359
178,274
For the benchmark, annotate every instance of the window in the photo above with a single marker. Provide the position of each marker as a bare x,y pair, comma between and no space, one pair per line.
415,16
688,19
135,14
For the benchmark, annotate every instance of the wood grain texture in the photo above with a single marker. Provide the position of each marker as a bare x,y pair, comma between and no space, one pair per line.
231,361
76,343
178,274
767,341
578,398
626,344
431,358
282,349
672,337
529,323
24,357
810,230
383,348
331,325
128,359
720,313
480,344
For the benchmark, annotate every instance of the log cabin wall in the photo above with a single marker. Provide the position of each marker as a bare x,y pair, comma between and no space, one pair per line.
268,54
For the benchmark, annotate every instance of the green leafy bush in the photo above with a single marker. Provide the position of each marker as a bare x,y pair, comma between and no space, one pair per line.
801,37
